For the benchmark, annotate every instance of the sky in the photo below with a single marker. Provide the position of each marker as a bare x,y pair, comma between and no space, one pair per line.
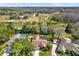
39,4
39,1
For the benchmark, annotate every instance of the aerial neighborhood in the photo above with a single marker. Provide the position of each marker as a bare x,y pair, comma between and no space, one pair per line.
39,31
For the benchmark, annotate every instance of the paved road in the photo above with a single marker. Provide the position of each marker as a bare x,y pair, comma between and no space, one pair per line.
54,49
36,52
10,42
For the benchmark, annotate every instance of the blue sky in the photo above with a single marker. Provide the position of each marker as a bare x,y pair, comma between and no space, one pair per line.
39,4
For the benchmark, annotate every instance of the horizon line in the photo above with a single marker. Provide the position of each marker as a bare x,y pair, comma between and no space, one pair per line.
39,4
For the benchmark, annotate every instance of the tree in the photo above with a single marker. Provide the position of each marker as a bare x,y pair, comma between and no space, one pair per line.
67,53
22,48
73,29
61,53
75,35
45,51
51,37
57,18
47,48
6,32
69,28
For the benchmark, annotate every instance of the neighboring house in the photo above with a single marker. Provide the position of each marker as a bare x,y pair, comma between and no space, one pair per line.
60,32
39,42
66,44
10,20
23,17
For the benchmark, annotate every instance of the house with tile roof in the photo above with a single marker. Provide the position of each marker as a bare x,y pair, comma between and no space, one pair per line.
39,42
66,44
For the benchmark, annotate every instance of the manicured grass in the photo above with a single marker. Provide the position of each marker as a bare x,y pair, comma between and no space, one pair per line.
1,52
67,36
